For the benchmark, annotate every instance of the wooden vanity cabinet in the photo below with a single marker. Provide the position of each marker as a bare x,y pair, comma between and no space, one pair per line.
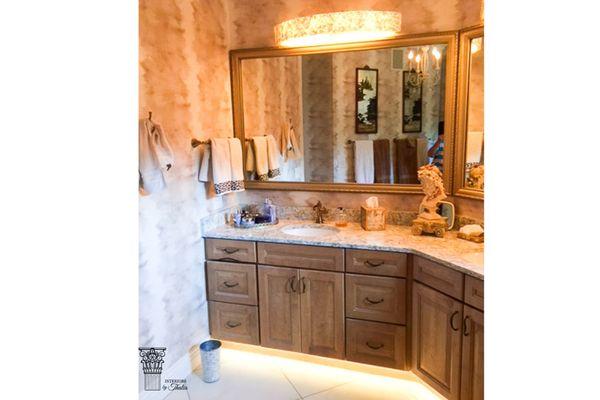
436,339
302,310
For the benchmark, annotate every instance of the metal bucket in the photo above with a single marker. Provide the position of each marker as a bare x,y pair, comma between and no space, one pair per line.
210,354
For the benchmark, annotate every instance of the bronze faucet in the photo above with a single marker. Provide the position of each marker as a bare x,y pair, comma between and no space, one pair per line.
320,211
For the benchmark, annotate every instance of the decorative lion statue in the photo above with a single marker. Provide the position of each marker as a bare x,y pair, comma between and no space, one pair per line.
476,176
433,186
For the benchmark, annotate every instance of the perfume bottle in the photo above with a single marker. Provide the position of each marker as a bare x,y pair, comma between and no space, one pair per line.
341,218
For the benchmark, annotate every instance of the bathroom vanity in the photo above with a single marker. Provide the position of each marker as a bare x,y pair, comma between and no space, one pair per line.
383,298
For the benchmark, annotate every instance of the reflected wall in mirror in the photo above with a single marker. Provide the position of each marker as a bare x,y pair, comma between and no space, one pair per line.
470,134
342,117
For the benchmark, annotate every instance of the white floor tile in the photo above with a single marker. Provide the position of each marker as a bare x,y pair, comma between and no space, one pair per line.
310,378
249,377
371,387
178,395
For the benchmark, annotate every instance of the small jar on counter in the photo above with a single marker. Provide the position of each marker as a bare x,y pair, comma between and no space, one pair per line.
341,218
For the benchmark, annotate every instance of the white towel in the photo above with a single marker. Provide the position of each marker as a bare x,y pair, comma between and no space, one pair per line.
155,156
422,147
272,157
237,169
203,170
260,157
364,163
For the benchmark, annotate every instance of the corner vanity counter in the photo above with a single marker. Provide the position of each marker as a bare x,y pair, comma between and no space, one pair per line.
385,298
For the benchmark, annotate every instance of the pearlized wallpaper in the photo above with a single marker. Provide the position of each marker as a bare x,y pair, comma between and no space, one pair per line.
184,81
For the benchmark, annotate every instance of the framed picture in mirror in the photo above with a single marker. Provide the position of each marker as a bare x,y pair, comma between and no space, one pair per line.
412,102
366,99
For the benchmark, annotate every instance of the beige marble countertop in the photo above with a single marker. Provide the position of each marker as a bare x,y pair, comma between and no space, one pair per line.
459,254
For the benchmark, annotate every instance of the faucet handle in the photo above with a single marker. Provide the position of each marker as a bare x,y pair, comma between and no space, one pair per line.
318,206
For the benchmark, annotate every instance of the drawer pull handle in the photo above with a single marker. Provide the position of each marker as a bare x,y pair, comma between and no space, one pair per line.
465,332
375,346
233,324
230,285
230,250
373,264
227,259
454,314
368,300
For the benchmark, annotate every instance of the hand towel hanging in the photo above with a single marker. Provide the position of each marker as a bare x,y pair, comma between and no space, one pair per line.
364,167
155,156
273,157
260,157
237,170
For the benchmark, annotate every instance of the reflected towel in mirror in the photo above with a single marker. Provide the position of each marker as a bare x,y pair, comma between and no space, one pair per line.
364,166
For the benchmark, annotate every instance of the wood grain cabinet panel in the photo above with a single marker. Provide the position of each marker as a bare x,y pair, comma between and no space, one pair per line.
322,313
436,340
299,256
474,292
439,277
376,298
279,307
230,250
471,386
376,263
234,322
231,282
376,343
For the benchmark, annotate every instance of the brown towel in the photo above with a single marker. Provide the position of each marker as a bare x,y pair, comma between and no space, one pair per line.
381,150
406,161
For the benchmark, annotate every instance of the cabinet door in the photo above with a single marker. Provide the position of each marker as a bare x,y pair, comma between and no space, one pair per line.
322,313
279,308
436,340
472,355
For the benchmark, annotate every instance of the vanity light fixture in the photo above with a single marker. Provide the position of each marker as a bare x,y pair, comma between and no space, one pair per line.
338,27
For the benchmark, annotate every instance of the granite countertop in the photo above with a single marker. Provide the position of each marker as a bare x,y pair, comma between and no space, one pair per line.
458,254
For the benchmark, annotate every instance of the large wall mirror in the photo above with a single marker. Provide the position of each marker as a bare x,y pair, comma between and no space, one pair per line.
469,171
355,117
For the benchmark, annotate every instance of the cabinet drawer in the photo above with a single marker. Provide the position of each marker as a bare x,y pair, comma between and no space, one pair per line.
299,256
437,276
230,250
376,298
232,283
234,322
376,263
376,343
474,292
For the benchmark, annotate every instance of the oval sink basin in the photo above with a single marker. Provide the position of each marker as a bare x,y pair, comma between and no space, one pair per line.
310,230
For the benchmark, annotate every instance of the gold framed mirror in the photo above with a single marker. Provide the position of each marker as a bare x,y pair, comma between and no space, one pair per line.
469,165
259,88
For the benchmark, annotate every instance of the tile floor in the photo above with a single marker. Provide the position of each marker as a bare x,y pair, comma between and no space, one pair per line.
252,376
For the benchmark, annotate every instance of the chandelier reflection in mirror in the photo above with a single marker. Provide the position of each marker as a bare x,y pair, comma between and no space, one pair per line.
425,62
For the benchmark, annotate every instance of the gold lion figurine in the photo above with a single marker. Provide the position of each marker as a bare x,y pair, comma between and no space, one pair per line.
429,221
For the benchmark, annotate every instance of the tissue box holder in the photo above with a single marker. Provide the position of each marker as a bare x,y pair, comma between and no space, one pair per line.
372,218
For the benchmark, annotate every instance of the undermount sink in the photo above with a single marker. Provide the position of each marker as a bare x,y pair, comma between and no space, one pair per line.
310,230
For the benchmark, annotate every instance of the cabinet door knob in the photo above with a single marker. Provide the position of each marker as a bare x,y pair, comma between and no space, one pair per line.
233,324
465,332
454,314
368,300
230,285
372,264
229,250
375,346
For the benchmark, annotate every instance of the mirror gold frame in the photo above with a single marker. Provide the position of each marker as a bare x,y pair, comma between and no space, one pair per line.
466,35
450,39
